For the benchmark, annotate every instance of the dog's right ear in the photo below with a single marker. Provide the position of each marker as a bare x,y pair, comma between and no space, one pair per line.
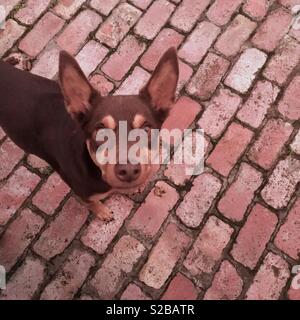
75,87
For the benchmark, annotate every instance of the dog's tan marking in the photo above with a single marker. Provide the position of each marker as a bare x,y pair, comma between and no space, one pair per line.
138,121
109,122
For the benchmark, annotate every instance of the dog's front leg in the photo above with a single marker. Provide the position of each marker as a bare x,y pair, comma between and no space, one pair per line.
100,210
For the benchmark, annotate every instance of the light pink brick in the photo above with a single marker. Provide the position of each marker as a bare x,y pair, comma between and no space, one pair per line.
15,191
31,11
90,56
75,34
282,183
256,107
66,9
9,35
104,7
143,4
100,83
180,288
54,190
164,257
288,237
198,201
256,9
270,279
62,230
111,275
36,40
229,149
227,284
116,26
246,69
10,155
133,292
235,35
270,142
272,30
208,76
70,278
289,106
295,145
25,282
241,191
18,237
134,82
284,61
198,43
221,11
166,38
99,234
254,235
219,112
188,13
208,247
154,19
122,60
148,218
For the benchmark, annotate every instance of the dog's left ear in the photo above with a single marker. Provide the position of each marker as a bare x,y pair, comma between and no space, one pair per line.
161,87
76,89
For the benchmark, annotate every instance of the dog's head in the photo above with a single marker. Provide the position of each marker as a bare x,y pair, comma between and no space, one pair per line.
93,112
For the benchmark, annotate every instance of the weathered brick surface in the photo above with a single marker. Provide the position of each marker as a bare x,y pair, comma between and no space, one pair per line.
31,11
221,10
66,9
256,9
104,7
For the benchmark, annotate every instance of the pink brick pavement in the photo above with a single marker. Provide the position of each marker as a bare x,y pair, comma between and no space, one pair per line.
230,233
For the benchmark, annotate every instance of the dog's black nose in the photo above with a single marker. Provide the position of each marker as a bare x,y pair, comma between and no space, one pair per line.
127,172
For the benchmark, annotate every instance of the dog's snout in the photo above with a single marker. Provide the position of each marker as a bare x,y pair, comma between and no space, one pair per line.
127,172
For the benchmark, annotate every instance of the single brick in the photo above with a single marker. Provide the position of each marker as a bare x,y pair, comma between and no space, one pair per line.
24,283
35,41
219,112
166,38
116,26
122,60
66,9
255,108
246,69
164,257
282,183
90,56
188,13
208,247
154,19
10,155
272,139
198,43
133,292
289,106
9,35
18,237
101,84
272,30
54,190
99,234
70,278
295,145
151,214
112,273
14,192
104,7
256,9
254,236
62,230
270,279
75,34
241,191
31,11
235,35
284,61
134,82
288,237
229,149
208,76
198,201
227,284
222,10
180,288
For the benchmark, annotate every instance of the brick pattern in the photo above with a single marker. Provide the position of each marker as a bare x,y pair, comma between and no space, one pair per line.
231,232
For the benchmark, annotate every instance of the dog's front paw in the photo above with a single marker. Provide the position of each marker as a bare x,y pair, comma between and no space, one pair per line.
104,214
